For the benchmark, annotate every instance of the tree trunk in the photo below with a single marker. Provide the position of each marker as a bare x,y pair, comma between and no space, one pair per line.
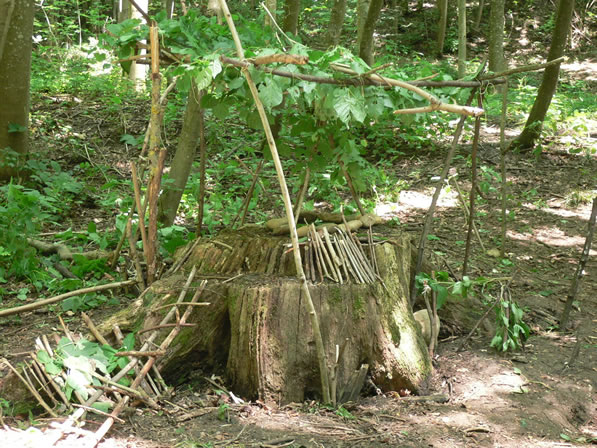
272,6
368,40
533,127
16,29
336,22
496,36
461,38
362,9
479,15
292,9
258,327
138,72
442,5
180,168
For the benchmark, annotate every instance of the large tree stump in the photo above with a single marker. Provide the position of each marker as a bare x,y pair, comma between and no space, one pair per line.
257,324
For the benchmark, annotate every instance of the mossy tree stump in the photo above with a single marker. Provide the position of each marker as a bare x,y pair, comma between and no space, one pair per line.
258,325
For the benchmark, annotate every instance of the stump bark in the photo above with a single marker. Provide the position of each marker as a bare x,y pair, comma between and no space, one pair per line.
258,327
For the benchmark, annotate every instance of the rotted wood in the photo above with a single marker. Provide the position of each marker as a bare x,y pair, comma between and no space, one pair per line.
258,328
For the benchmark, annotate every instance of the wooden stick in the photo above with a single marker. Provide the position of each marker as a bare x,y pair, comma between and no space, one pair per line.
93,329
431,210
31,389
580,268
472,193
335,264
320,348
135,255
41,303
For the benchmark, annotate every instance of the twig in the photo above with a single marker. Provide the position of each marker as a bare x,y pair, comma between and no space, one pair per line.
431,210
93,329
134,254
473,192
524,68
41,303
580,268
159,327
182,304
320,348
504,183
31,389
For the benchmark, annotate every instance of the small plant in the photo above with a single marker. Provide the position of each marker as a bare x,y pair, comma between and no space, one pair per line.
511,331
344,413
224,412
579,197
79,360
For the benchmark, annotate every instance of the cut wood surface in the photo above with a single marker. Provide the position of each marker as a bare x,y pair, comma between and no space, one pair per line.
258,328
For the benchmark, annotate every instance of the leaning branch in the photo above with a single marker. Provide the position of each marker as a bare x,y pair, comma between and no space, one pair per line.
524,68
371,80
33,306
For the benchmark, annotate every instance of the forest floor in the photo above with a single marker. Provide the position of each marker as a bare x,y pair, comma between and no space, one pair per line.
542,396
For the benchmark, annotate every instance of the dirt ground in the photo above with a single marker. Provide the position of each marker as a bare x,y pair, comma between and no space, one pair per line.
542,396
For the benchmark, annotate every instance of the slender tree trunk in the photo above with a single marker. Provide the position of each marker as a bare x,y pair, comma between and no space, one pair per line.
138,72
479,15
16,29
168,5
272,6
368,40
336,22
182,162
497,62
362,9
442,5
461,38
292,9
533,127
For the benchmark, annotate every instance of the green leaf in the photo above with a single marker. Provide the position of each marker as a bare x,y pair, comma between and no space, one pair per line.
203,79
270,94
43,357
216,67
442,295
14,128
129,342
103,406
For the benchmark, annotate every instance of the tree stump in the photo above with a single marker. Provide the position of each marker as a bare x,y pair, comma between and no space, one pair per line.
258,327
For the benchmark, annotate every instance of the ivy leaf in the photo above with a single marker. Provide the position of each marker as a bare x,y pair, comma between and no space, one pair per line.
270,94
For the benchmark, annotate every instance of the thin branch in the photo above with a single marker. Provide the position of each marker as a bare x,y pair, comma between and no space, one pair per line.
41,303
321,354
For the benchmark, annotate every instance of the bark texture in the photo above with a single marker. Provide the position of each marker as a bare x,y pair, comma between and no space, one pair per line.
461,38
336,22
368,40
534,125
181,165
496,36
258,327
292,9
16,29
442,5
362,9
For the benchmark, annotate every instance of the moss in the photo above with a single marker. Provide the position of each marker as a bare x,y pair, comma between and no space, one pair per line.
358,308
394,332
334,295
